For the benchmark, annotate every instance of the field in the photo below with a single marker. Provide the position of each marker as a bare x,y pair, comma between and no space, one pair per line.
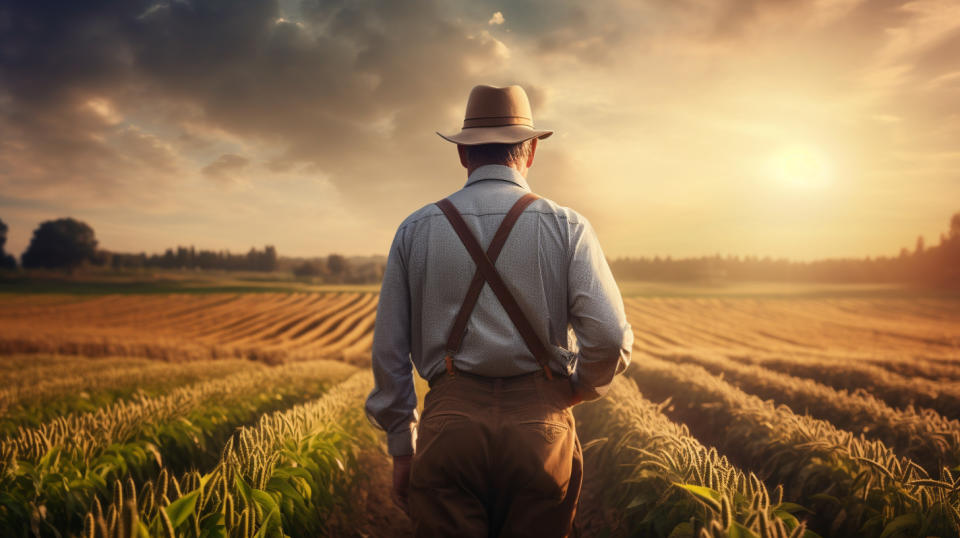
173,412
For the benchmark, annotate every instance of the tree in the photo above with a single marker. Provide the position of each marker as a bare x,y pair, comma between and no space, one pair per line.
6,261
102,258
307,269
269,258
62,243
337,265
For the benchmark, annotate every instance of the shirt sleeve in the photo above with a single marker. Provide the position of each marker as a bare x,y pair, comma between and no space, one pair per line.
391,405
604,337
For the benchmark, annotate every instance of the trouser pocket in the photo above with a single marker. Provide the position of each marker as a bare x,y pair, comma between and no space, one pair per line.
446,442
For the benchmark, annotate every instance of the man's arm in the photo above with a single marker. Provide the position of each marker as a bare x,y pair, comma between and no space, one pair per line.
596,315
392,403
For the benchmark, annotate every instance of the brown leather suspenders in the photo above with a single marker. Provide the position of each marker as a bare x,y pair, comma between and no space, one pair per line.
487,271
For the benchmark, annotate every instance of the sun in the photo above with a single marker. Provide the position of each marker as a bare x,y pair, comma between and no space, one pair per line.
800,166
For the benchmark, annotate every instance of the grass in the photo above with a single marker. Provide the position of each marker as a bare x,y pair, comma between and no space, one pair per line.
143,282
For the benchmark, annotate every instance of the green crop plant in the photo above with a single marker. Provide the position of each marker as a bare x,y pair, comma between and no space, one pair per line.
855,486
64,468
922,435
33,400
894,389
290,474
660,481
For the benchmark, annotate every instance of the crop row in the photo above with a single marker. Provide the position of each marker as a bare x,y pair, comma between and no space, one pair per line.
922,435
934,369
64,463
895,389
87,384
855,486
660,481
280,326
890,326
26,369
268,327
290,474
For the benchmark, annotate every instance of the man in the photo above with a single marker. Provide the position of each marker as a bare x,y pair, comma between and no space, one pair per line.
496,447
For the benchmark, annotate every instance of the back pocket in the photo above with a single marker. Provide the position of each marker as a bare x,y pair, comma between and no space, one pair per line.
549,430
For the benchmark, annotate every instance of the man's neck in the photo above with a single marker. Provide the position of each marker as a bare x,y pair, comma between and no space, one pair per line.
518,167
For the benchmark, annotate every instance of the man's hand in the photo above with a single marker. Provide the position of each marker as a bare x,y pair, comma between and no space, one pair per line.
401,482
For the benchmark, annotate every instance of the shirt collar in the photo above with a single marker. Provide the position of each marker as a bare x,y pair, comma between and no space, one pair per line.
498,171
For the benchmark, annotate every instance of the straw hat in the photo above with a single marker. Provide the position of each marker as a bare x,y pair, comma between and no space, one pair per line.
497,116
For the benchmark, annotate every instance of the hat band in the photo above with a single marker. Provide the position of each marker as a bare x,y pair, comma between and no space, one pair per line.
496,121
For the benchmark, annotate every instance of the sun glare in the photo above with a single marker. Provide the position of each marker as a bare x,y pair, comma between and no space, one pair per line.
800,166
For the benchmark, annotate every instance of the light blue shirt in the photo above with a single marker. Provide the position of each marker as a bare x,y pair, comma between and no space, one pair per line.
553,265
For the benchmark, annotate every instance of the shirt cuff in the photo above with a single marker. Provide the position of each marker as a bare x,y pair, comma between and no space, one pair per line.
400,443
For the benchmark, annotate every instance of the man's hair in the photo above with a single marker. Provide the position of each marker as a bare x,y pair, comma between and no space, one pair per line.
498,153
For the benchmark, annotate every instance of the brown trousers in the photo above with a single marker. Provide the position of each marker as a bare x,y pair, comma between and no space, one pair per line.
496,457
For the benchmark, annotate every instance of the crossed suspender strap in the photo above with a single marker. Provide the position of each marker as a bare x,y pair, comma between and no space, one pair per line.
487,271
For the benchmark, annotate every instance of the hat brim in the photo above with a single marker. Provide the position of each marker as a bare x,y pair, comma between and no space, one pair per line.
506,134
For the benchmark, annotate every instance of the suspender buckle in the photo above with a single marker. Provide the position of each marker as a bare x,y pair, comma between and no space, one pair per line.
448,358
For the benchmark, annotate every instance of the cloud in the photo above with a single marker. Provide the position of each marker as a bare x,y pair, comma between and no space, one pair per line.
318,90
226,168
160,104
81,152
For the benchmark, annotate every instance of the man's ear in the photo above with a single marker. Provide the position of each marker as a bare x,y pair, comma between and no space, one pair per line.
533,149
462,150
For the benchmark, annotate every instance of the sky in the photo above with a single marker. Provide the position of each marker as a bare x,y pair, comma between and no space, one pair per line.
801,129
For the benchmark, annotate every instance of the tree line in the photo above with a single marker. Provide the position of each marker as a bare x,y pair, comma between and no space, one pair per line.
938,266
191,258
337,268
68,243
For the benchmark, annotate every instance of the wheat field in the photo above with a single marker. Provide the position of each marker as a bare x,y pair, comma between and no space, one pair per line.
241,415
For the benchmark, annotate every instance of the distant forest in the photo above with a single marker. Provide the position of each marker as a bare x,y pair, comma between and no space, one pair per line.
334,268
937,266
191,258
69,244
